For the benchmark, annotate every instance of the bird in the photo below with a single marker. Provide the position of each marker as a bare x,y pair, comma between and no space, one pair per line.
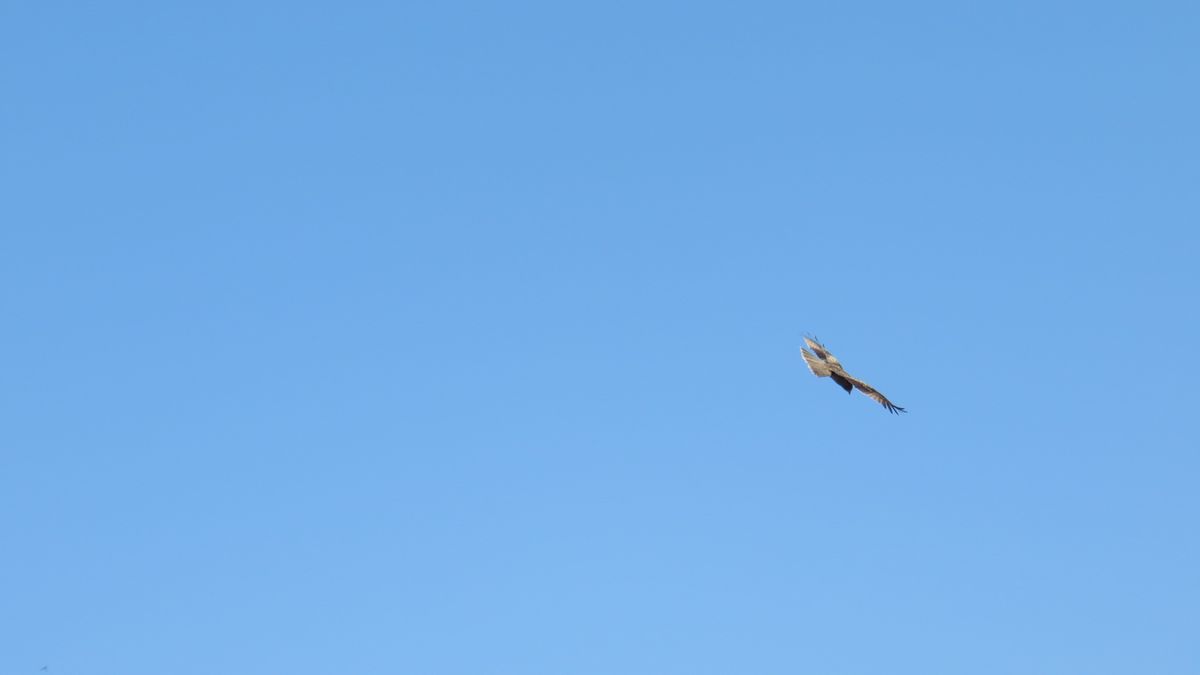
824,364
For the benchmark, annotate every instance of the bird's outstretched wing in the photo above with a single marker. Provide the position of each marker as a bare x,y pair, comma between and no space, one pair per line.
820,350
873,393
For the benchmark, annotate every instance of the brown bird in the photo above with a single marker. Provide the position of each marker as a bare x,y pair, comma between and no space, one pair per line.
824,364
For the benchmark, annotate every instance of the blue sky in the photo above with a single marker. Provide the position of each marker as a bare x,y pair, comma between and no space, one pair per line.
459,338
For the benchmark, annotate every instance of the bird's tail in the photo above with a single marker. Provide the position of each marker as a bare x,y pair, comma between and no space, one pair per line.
817,366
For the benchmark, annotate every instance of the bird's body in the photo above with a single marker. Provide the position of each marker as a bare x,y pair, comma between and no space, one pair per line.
824,364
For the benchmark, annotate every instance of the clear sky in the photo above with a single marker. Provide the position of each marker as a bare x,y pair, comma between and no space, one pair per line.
460,338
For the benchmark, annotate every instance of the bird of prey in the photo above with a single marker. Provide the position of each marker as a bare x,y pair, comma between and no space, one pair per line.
824,364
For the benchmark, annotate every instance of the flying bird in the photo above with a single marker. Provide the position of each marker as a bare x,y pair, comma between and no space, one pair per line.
824,364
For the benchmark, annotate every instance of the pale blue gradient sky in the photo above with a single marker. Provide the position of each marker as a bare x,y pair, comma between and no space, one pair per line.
461,338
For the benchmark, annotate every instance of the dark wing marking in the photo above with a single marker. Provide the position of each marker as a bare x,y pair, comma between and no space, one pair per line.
842,382
873,393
